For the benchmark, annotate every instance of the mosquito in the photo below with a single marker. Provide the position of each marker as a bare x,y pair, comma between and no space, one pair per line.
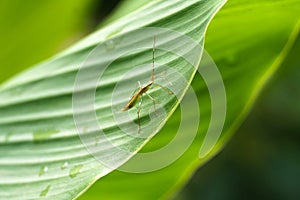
137,97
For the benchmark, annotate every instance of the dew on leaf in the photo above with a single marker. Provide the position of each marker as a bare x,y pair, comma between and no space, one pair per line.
64,165
110,44
43,170
43,134
45,191
75,170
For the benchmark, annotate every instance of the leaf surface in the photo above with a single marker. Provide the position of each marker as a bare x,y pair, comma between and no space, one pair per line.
42,154
248,40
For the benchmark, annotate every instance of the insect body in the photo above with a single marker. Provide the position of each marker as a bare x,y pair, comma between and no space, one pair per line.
137,97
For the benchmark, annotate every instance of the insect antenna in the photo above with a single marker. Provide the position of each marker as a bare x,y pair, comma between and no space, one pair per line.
153,51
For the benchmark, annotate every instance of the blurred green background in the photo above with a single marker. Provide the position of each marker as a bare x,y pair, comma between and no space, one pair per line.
261,161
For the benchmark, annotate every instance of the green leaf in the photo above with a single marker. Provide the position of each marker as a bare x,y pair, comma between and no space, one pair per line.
42,154
248,41
31,32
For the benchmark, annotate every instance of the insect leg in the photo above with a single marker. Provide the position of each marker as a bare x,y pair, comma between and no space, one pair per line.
153,51
164,88
162,75
139,83
152,99
138,113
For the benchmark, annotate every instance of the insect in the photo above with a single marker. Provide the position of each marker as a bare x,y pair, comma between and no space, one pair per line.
137,97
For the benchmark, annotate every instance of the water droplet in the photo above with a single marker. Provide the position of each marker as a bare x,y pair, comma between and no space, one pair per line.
110,44
43,170
74,171
43,134
45,191
64,165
